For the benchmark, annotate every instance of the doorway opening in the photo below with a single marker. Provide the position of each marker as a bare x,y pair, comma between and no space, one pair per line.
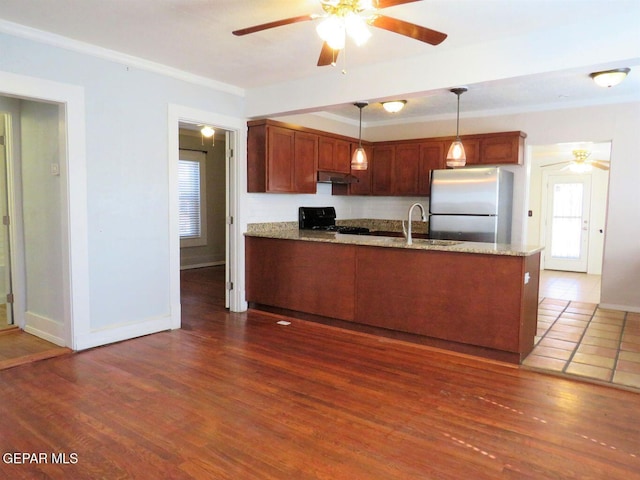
567,215
203,183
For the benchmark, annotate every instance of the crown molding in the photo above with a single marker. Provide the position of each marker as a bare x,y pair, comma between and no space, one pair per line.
55,40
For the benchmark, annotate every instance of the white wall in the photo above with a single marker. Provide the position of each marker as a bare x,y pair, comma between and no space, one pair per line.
42,219
127,168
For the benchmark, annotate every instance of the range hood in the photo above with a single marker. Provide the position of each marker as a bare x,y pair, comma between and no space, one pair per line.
336,177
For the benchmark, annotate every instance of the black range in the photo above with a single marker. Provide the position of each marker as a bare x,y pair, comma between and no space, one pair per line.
324,218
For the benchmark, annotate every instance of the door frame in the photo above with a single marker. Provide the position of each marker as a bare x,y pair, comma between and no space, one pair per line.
546,205
73,174
237,127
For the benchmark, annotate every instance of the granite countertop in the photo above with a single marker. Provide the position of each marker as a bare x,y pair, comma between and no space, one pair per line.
290,231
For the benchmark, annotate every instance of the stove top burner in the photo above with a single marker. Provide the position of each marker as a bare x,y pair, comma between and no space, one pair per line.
342,229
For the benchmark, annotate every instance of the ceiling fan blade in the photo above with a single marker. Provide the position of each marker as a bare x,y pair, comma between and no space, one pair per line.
554,164
393,3
407,29
600,165
328,55
277,23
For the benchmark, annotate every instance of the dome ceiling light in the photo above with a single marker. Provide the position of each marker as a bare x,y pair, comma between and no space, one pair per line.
610,78
394,106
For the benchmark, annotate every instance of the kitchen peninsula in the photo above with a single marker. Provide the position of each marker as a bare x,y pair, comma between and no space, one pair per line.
476,298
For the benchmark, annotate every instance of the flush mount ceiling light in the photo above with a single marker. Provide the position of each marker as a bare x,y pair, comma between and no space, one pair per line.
359,157
457,156
610,78
394,106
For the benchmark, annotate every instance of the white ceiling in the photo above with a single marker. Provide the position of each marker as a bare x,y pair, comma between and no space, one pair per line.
195,36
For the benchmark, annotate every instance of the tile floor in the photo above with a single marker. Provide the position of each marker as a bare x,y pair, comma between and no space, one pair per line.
576,337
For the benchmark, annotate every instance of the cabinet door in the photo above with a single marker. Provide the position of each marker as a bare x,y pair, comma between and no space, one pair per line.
406,169
342,159
382,170
306,162
501,149
326,153
471,149
431,158
280,160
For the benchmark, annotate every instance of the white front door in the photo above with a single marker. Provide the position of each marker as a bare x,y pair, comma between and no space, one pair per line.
567,222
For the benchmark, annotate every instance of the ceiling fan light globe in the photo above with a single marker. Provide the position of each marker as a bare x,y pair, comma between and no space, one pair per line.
332,31
207,131
359,159
357,29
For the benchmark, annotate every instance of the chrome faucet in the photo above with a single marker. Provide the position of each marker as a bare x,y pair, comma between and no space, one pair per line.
407,229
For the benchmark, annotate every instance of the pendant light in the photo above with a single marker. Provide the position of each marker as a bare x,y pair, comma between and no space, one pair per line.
457,156
359,157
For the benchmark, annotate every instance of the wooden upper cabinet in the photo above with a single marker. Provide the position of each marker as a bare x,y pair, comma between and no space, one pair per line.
286,158
501,148
381,164
471,150
281,160
280,164
334,154
406,170
305,162
432,157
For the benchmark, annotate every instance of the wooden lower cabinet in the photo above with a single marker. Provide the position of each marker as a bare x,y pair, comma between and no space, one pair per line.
466,298
308,277
470,300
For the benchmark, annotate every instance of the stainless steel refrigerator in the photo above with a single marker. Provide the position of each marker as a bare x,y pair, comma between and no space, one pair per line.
472,204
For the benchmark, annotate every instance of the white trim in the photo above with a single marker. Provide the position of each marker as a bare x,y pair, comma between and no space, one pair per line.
624,308
114,56
118,333
176,114
45,328
77,312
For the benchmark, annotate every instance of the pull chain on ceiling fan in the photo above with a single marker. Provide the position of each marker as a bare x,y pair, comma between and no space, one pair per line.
352,18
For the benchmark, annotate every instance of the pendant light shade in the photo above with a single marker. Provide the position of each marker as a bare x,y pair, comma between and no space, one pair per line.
456,157
359,157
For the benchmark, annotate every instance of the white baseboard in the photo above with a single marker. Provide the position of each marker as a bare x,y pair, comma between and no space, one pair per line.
119,333
624,308
44,328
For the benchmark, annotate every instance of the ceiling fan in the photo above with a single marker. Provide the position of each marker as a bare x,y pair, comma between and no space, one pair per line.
350,18
581,162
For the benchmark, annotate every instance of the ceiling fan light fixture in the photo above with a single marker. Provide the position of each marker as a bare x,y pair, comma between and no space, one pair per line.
394,106
207,131
359,157
610,78
457,157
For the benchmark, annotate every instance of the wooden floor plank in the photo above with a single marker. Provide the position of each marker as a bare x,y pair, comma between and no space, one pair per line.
237,396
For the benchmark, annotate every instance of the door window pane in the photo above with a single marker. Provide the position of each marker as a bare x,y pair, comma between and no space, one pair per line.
566,230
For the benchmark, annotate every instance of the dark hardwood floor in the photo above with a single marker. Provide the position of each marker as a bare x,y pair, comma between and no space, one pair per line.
239,396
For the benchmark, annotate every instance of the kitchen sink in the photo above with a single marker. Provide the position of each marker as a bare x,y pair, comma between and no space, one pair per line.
384,233
422,240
